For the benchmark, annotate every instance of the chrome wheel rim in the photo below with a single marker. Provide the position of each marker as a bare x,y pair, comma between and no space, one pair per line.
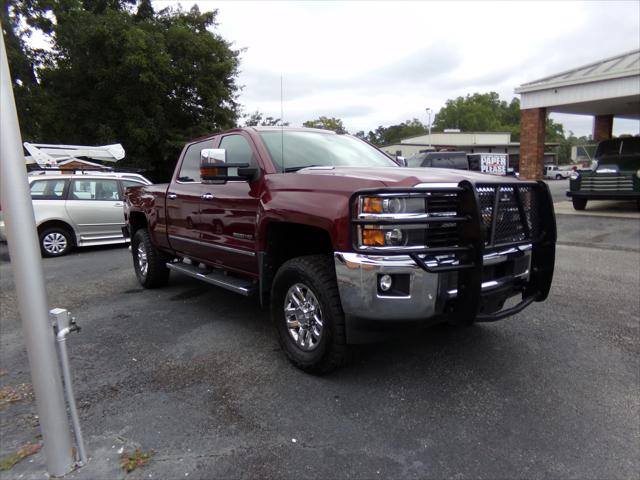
54,243
303,316
143,263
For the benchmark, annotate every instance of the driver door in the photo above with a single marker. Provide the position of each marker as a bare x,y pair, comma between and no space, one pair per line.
228,212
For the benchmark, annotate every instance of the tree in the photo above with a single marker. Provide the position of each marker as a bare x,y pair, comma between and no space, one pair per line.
485,112
395,133
149,80
326,123
257,118
480,112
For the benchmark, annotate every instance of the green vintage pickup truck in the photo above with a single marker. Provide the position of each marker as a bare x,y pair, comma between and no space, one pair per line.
615,174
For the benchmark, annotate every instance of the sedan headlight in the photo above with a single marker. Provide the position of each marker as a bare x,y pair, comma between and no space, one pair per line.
574,176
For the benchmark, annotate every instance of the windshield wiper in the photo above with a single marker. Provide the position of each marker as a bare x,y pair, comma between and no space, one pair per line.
295,169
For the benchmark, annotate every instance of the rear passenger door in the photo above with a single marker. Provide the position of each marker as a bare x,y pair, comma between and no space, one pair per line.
47,196
94,205
183,204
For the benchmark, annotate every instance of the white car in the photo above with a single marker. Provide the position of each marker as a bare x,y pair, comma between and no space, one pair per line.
556,172
78,210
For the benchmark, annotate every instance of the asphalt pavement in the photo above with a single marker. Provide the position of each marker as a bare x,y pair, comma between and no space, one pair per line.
195,374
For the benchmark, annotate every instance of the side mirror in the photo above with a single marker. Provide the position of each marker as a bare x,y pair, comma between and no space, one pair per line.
214,168
401,161
213,165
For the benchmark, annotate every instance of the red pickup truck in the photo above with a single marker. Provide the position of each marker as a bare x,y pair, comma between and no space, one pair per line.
344,245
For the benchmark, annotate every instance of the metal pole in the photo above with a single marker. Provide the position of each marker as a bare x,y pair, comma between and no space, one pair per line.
28,277
65,325
429,113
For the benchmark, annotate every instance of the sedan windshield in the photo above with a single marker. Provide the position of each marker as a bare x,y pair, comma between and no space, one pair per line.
306,149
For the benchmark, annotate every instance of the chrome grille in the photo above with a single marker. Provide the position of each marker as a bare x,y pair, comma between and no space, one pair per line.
601,182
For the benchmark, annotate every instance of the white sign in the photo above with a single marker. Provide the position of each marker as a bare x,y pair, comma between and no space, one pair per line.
493,163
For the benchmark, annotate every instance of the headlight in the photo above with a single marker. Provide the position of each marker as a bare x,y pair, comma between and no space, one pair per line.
376,205
383,236
404,221
574,176
386,208
638,173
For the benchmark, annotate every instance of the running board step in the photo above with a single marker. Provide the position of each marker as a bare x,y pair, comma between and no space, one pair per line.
237,285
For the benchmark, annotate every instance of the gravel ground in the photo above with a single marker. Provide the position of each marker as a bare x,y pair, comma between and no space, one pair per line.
195,373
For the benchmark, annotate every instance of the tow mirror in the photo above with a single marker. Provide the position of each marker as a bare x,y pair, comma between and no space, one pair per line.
213,165
215,169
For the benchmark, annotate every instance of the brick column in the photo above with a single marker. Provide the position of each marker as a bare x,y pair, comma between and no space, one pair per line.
602,127
532,133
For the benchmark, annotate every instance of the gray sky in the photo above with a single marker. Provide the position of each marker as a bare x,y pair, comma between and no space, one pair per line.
380,63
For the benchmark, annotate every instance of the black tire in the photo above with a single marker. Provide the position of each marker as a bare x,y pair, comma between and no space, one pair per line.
156,273
638,204
55,242
317,274
558,177
579,203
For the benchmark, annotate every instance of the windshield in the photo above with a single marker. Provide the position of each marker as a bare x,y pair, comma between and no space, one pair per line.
306,149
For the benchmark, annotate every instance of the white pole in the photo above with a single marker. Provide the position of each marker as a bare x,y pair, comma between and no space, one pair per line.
28,277
429,113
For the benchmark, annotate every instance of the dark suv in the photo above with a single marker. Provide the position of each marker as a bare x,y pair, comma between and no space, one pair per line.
456,160
615,174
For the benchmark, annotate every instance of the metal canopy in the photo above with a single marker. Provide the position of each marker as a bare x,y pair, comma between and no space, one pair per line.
608,87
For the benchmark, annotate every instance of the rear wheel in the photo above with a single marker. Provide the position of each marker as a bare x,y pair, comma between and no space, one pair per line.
579,203
148,262
55,242
307,313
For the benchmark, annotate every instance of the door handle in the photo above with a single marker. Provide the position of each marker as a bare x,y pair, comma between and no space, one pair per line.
207,196
118,204
172,196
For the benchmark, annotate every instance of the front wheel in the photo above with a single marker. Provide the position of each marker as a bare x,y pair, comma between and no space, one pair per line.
55,242
148,262
307,313
579,203
558,177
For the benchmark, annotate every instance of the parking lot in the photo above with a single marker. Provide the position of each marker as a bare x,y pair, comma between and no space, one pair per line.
195,374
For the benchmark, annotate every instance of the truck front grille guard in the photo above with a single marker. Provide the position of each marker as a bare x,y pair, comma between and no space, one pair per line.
488,217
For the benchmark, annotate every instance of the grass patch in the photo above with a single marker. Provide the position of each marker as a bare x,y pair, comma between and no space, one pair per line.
139,458
27,450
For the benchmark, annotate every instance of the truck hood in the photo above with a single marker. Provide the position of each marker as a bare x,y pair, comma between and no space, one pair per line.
405,177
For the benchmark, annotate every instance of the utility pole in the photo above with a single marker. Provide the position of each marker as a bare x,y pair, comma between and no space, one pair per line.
26,265
429,124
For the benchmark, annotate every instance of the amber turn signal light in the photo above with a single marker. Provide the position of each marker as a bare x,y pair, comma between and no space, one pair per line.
209,172
373,238
371,205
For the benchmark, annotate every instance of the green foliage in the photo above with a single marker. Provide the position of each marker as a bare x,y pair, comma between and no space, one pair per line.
326,123
480,112
258,118
395,133
485,112
132,461
149,80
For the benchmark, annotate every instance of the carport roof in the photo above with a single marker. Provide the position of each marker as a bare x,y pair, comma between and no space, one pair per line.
608,86
624,65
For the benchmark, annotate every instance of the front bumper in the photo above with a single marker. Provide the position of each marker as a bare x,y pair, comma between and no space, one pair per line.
428,294
503,245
